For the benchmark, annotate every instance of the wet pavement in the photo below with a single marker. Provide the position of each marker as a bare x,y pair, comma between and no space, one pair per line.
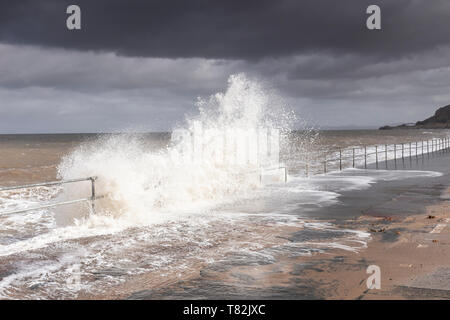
286,278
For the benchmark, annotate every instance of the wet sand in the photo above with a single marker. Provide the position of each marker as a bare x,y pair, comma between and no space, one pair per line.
413,254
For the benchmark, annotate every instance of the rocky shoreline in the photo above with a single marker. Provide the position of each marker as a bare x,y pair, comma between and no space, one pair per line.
440,120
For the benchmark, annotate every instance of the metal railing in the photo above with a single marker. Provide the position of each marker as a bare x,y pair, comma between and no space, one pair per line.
380,155
428,149
90,199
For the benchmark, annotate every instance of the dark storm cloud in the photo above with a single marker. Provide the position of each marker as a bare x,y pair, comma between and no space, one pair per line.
247,29
142,64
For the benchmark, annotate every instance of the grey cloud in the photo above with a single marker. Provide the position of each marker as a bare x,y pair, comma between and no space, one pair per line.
24,66
45,110
70,91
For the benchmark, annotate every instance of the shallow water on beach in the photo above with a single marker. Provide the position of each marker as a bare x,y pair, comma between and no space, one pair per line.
40,258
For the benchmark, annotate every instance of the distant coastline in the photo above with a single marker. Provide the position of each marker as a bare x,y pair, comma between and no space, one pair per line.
440,120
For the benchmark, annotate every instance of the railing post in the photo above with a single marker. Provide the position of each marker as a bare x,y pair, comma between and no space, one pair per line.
325,165
376,157
395,156
386,155
340,160
353,162
403,154
93,194
410,156
417,158
365,157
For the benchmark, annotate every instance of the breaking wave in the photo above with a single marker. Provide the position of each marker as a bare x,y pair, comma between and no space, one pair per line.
147,186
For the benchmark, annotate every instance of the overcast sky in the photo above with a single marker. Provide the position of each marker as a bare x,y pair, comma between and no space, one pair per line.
141,64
